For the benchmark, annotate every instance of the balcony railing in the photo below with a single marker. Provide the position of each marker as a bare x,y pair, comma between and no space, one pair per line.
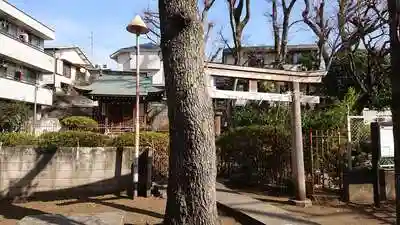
23,42
25,80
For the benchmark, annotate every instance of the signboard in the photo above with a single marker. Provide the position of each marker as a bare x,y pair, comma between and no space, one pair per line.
387,141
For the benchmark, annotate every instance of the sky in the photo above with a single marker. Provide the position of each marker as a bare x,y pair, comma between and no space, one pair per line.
75,20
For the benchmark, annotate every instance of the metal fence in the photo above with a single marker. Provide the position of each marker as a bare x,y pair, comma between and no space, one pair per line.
325,154
109,128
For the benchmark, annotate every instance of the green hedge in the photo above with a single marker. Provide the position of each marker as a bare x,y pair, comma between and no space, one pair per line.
82,123
259,154
17,139
73,139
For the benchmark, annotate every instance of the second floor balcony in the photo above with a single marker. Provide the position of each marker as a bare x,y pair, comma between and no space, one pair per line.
21,90
24,53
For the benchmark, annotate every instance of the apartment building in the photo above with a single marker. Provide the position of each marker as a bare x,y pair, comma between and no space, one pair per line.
23,59
264,57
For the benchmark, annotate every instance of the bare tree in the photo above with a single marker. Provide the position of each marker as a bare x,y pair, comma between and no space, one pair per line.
237,24
192,161
354,21
281,30
151,17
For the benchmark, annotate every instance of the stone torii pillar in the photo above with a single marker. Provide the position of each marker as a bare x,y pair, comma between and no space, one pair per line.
297,157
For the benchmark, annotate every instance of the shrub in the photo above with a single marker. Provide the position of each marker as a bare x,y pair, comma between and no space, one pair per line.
13,115
17,139
258,153
73,139
158,142
79,123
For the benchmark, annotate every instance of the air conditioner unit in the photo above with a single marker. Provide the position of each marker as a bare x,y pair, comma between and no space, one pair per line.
3,24
24,37
4,65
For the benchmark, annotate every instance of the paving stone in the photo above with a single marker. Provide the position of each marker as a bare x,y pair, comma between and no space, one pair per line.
260,212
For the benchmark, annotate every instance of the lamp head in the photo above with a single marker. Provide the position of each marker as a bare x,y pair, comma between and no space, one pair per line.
137,26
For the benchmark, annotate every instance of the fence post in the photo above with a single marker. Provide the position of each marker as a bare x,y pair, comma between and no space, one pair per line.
349,157
317,154
311,160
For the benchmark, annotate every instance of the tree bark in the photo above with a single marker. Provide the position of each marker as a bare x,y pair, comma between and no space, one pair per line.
275,28
286,10
395,78
192,161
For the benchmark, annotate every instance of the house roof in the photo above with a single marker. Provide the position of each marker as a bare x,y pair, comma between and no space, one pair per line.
147,47
119,83
270,48
75,48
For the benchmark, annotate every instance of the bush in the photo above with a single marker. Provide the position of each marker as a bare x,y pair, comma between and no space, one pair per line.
82,123
258,153
13,115
73,139
158,142
17,139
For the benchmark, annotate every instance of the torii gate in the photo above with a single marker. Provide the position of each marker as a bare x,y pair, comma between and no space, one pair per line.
213,70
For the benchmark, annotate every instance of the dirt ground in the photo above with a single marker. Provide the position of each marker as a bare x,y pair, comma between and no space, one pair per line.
138,211
332,211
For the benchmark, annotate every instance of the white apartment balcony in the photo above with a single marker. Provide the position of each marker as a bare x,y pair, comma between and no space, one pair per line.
23,91
147,61
25,54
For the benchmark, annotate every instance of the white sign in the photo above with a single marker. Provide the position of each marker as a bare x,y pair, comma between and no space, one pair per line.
387,141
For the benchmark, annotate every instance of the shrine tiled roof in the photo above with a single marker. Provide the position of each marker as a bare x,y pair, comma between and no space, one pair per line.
119,84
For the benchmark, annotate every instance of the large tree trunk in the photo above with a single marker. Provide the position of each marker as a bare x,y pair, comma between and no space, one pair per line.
192,161
395,78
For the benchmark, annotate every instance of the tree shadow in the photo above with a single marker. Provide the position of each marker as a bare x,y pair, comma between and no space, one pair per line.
115,205
11,211
386,213
21,188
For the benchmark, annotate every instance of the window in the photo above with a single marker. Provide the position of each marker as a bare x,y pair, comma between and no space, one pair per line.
67,69
4,25
256,60
29,76
80,76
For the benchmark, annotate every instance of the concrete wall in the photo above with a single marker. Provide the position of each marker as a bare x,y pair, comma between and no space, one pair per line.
360,185
148,60
123,61
27,171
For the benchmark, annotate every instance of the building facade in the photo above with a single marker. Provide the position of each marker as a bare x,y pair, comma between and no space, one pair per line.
265,56
149,58
23,59
72,67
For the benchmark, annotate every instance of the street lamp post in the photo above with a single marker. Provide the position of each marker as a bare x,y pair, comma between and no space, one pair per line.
137,27
35,108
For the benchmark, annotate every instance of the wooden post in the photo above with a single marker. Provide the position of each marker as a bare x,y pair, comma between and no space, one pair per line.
217,123
375,146
145,168
145,107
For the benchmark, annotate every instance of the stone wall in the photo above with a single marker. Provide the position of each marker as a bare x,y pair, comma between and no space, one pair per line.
361,189
26,171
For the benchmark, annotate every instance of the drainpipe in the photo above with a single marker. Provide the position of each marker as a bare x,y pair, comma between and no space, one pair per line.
55,71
